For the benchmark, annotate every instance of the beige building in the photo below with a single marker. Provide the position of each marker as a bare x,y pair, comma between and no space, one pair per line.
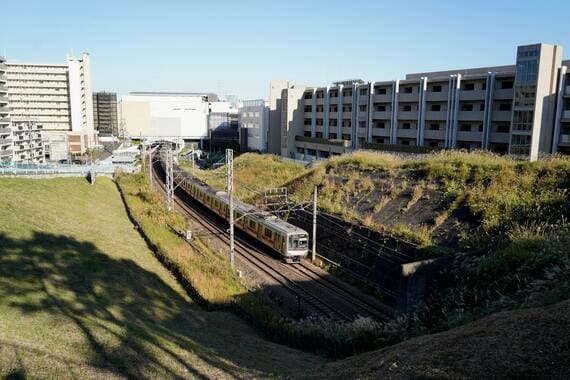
57,99
6,146
522,109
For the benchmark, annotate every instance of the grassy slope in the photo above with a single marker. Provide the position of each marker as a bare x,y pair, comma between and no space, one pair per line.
253,173
82,296
523,344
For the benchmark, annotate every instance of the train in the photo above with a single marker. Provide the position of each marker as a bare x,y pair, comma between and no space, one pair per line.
285,239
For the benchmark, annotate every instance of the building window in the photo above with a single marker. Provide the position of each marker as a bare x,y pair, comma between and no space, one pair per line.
362,124
506,84
379,124
523,120
381,91
363,91
333,108
362,108
381,108
405,142
308,109
436,88
467,107
503,128
332,136
333,122
319,135
347,123
308,122
406,126
465,128
333,93
505,107
308,95
469,86
307,134
346,137
434,126
520,144
436,107
346,108
320,108
408,90
407,108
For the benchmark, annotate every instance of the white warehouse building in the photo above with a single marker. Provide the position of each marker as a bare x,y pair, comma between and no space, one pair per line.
162,114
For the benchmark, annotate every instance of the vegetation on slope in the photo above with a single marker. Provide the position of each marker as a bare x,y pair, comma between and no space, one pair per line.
253,174
82,296
208,275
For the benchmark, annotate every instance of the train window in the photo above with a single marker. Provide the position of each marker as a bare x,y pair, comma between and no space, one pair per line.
252,224
298,241
268,233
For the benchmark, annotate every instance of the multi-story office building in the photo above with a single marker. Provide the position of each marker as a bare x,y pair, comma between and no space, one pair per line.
28,145
6,145
522,109
55,97
105,113
253,125
223,126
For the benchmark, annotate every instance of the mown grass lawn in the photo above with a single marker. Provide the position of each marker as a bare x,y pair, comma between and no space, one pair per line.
82,296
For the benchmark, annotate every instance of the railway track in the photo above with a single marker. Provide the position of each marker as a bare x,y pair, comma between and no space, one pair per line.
319,295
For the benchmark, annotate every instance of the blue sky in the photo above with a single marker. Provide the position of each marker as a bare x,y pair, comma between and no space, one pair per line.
237,47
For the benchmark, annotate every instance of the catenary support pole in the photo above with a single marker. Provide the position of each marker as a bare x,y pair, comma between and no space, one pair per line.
230,190
314,248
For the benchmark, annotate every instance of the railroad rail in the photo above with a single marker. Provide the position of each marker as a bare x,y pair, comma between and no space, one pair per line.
321,294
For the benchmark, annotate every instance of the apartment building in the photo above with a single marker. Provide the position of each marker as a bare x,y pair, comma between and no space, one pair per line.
27,142
6,145
105,113
521,109
56,98
253,125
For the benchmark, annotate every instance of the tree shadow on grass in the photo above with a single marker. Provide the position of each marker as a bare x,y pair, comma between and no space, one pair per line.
135,325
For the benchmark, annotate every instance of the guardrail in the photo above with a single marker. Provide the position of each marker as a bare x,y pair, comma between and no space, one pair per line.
79,170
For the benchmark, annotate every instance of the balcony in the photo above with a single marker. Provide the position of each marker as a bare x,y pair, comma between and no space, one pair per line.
436,115
407,133
308,115
403,97
347,99
436,96
319,115
308,102
384,98
3,89
4,120
5,142
382,115
502,115
435,134
469,136
333,115
504,94
500,137
408,115
3,100
5,131
472,95
471,115
566,115
320,101
6,153
382,132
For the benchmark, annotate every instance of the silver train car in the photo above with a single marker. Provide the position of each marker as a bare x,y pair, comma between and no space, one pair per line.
287,240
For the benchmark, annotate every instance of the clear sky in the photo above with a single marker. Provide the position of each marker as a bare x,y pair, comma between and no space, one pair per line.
238,46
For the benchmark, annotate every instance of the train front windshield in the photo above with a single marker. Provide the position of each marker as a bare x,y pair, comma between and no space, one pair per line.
298,242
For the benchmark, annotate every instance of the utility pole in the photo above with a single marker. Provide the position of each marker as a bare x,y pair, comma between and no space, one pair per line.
150,166
169,178
193,162
314,250
230,190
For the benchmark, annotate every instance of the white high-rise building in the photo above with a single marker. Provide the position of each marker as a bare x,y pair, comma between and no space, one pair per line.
56,98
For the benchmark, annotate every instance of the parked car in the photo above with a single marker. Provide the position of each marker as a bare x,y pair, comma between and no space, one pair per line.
64,162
